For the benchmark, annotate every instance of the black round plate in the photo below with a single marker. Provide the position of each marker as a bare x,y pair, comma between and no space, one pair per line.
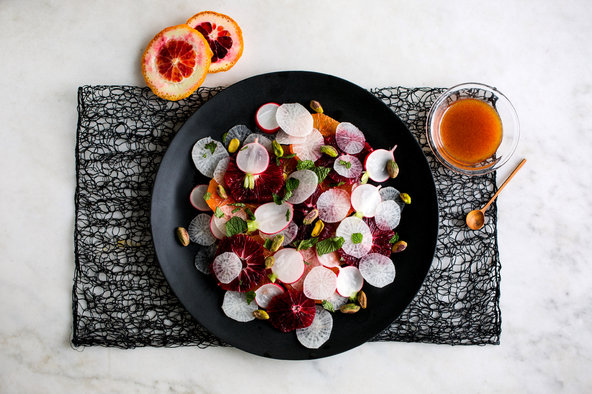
343,101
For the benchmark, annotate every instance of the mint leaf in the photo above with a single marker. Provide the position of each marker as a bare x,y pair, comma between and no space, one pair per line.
394,239
290,156
235,226
329,245
277,199
287,215
211,146
307,244
328,306
250,296
267,244
322,172
292,184
235,210
305,165
347,164
357,238
218,213
207,196
249,213
237,204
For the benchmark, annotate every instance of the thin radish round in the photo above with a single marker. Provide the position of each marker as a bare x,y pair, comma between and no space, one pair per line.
252,158
330,260
265,118
240,132
226,267
286,139
294,119
272,218
337,301
289,234
348,166
203,258
349,281
265,293
221,170
218,224
263,140
319,332
376,164
357,236
206,154
390,193
310,261
196,198
333,205
218,227
288,265
377,269
365,199
310,148
388,215
349,138
236,307
320,283
307,184
199,230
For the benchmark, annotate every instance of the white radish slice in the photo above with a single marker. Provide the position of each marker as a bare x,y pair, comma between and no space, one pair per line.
203,258
265,293
206,154
252,158
196,198
307,184
273,218
310,261
310,148
349,229
217,227
288,265
240,132
199,230
388,215
294,119
284,138
218,224
349,281
320,283
365,199
330,260
227,266
263,140
348,166
337,301
376,163
349,138
333,205
319,332
377,269
220,170
265,118
236,307
390,193
289,234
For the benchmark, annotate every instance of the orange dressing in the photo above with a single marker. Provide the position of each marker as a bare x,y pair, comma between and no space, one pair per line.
471,130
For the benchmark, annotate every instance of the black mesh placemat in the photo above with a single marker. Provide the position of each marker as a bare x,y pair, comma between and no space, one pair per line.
120,296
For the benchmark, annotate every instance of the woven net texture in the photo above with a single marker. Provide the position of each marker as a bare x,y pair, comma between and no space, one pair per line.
120,296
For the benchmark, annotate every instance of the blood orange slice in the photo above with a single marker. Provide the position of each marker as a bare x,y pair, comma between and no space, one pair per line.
224,37
175,62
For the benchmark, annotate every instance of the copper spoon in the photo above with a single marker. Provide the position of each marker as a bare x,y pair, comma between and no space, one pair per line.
476,218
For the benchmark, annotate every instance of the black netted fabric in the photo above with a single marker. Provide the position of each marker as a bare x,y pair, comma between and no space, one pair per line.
120,296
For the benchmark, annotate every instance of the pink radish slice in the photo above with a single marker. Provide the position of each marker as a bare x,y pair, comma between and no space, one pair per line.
319,332
348,166
348,229
240,132
365,199
206,153
307,184
226,267
236,307
294,119
265,293
377,269
286,139
252,158
330,260
288,265
262,139
310,148
218,224
221,170
217,227
289,234
349,138
320,283
376,164
204,257
199,230
388,215
333,205
337,300
196,198
349,281
273,218
310,261
265,118
390,193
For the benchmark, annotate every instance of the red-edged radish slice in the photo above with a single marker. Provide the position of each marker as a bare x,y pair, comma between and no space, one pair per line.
388,215
390,193
330,260
294,119
319,332
226,267
337,301
262,139
218,224
310,148
236,307
376,163
199,230
252,158
307,184
220,170
289,234
333,205
365,199
272,218
349,138
349,281
377,269
204,257
196,198
206,154
265,118
240,132
217,227
288,265
320,283
284,138
310,261
357,236
348,166
265,293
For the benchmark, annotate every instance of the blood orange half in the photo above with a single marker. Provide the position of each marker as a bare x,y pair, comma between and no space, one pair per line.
176,62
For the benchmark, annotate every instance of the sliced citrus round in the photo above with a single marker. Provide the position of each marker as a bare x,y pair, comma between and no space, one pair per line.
291,310
324,124
176,62
224,37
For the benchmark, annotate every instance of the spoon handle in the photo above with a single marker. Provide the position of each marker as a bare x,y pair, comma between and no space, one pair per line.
504,184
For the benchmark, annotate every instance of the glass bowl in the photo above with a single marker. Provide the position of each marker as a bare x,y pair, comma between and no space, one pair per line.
505,111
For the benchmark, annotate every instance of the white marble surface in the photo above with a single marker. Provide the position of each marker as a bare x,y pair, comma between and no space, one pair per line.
537,52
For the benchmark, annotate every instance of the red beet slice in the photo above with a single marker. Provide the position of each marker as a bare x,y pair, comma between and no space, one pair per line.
291,310
267,183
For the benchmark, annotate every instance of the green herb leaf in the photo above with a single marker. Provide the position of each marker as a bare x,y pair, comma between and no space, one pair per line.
224,137
322,172
267,244
287,215
329,245
235,226
235,210
328,306
218,213
357,238
244,147
347,164
237,204
305,165
290,156
211,146
277,199
272,277
353,297
250,296
250,214
207,196
204,155
292,184
307,243
394,239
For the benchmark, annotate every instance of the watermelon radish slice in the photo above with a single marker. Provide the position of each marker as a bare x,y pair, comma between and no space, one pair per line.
307,184
289,234
265,118
240,132
235,306
206,154
196,198
265,293
390,193
349,138
203,259
319,332
294,119
376,163
365,199
226,267
320,283
388,215
310,148
262,139
329,260
288,266
199,230
252,158
349,281
348,166
377,269
284,138
220,170
333,205
272,218
357,236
